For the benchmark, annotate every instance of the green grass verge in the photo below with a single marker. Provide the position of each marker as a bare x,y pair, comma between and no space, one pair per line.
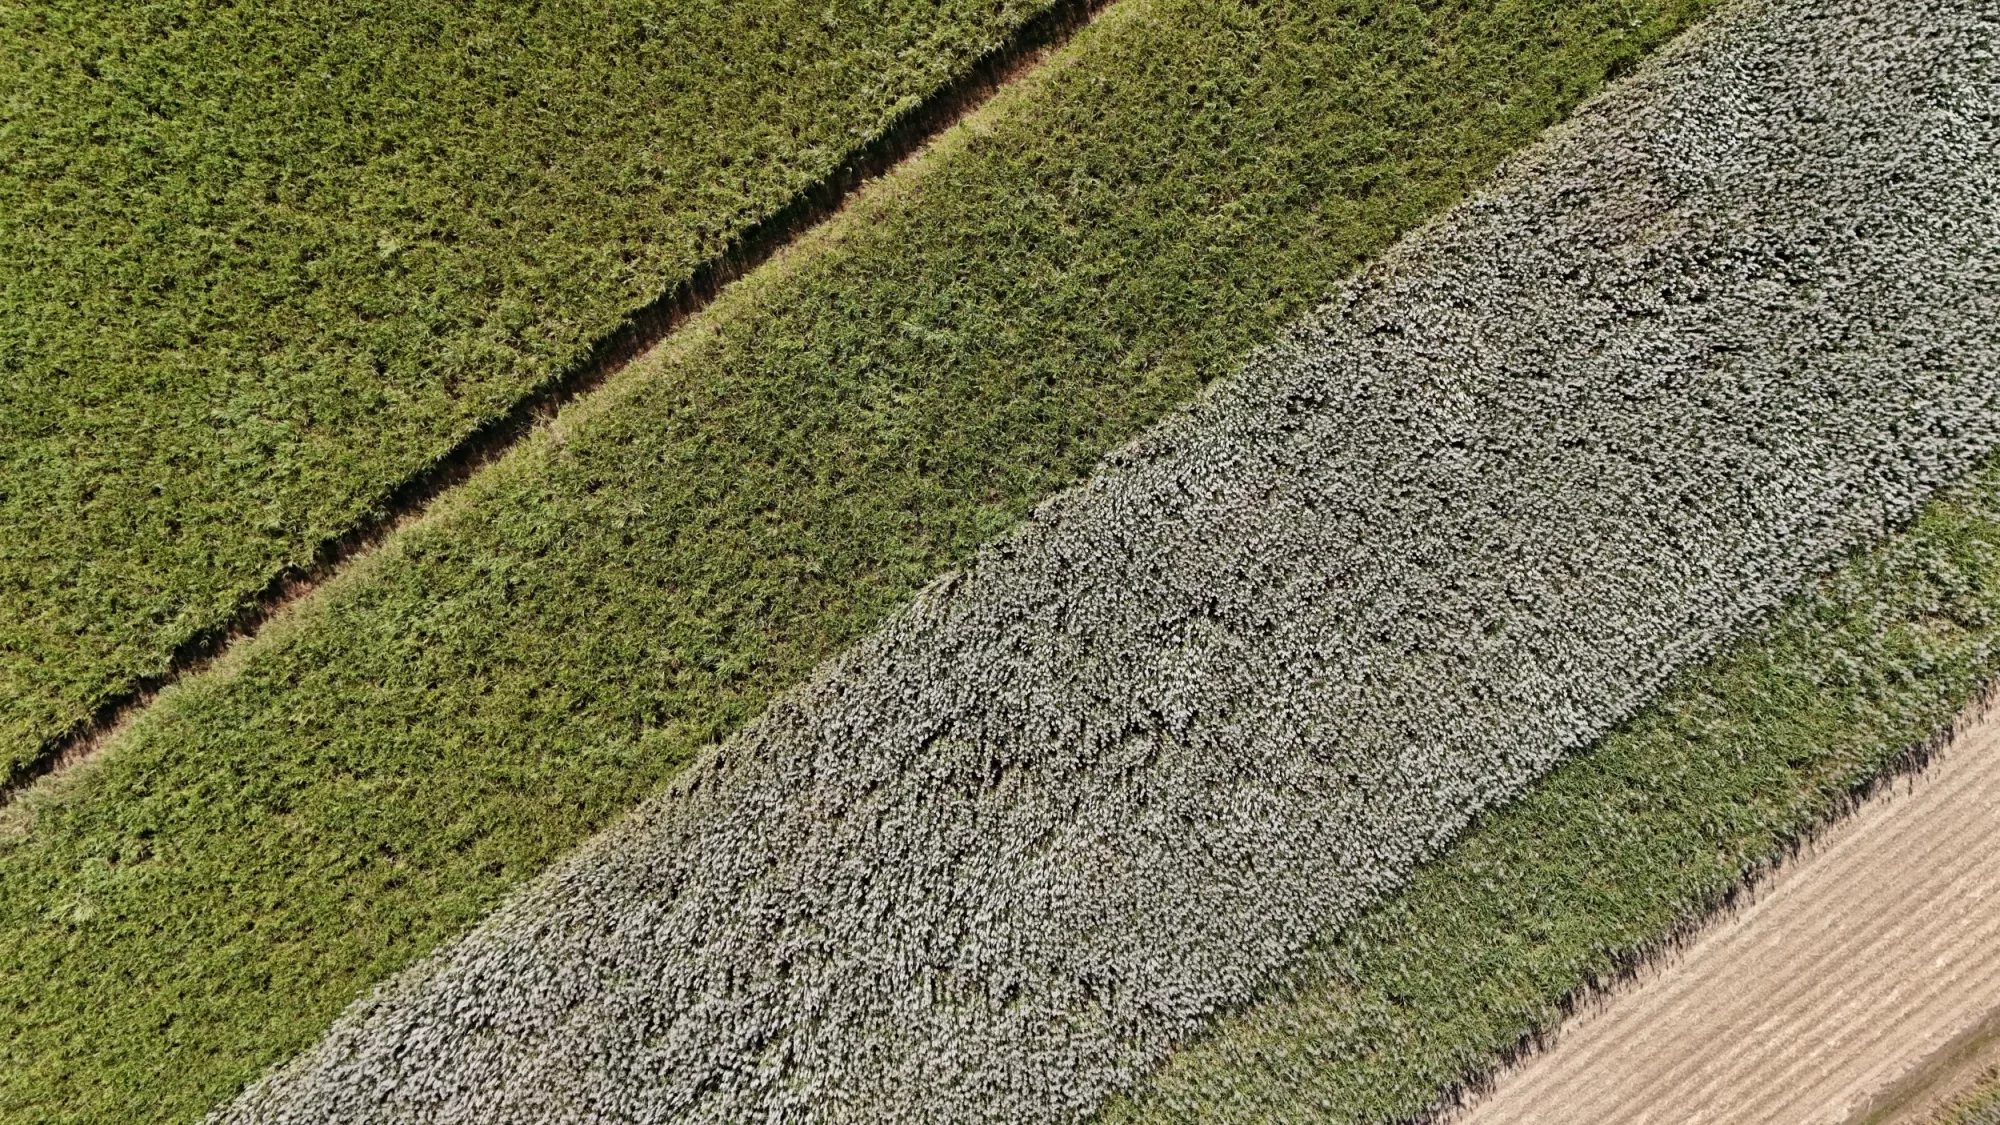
259,264
1979,1105
379,766
1621,849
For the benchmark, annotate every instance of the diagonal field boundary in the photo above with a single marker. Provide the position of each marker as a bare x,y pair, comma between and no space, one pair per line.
1851,967
909,132
1731,321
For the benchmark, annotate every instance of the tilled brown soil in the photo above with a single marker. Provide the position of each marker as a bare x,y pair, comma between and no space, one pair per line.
1857,965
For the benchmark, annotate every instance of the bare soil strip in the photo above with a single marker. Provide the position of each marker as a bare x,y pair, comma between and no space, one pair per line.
1730,323
646,329
1875,953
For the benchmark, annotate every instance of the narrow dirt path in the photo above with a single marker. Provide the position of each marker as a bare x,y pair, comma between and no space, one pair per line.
1856,966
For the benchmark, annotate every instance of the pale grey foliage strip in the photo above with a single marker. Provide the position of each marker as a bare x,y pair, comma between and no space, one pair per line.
1731,321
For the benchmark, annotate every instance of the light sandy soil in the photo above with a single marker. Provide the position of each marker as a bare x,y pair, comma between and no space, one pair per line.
1865,964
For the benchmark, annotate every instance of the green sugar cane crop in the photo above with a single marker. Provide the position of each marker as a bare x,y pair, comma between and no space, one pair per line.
262,264
372,774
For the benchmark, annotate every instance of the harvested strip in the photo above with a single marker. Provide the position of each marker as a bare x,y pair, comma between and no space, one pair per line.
1851,969
370,775
262,266
1005,853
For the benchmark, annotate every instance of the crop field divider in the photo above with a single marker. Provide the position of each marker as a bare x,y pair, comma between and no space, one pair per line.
909,132
1631,968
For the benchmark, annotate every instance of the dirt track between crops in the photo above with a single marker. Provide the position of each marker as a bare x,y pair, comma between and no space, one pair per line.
1861,964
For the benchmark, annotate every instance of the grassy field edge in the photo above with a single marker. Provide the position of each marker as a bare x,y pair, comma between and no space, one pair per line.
1978,1106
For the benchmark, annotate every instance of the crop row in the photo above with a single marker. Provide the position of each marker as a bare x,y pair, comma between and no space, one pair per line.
1010,849
260,265
374,771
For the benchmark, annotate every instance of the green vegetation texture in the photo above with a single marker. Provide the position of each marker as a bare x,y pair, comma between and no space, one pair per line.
1977,1106
502,678
1622,849
261,263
